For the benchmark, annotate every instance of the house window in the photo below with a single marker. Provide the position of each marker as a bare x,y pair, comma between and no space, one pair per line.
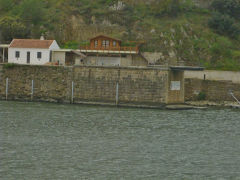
103,43
96,43
17,54
114,43
107,43
39,55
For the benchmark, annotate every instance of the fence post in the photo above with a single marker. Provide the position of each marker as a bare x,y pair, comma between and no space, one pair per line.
32,90
72,100
6,88
117,93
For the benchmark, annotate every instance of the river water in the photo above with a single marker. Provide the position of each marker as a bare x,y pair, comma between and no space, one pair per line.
54,141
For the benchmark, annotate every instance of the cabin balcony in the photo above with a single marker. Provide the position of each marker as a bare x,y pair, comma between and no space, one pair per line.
112,50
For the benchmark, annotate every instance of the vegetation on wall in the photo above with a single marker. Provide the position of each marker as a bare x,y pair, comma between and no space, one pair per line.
180,29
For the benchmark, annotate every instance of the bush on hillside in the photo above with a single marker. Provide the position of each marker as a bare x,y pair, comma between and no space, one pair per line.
230,7
224,24
71,45
12,27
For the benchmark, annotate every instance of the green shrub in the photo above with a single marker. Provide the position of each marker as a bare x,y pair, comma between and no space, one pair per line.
9,65
201,96
224,24
230,7
71,45
236,54
129,44
84,43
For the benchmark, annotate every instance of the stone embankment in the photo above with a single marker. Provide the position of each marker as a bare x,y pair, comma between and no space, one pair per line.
211,103
150,87
123,86
212,88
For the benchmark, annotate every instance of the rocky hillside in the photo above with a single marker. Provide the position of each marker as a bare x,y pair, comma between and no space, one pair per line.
178,30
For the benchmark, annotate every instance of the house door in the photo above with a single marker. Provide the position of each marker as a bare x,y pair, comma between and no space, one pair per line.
28,57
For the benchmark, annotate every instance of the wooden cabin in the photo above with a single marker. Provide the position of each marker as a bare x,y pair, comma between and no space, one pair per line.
107,51
104,42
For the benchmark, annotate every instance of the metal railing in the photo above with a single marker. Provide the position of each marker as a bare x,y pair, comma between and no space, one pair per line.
232,94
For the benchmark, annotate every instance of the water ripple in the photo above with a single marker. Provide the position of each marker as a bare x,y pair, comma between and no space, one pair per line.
52,141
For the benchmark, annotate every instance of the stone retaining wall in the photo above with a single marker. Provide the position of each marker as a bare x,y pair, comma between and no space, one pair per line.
140,86
214,90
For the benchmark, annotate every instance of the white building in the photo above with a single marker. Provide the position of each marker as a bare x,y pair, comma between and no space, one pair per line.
31,51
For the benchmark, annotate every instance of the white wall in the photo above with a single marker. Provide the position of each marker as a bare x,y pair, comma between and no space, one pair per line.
54,46
103,61
59,56
77,60
33,56
214,75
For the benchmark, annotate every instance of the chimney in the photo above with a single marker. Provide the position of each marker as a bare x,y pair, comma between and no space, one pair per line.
42,37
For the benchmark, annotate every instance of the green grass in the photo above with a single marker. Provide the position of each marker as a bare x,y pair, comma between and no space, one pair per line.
73,23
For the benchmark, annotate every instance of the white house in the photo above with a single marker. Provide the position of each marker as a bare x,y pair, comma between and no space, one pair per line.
31,51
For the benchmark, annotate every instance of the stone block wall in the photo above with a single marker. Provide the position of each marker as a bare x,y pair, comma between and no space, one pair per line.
214,90
136,86
49,83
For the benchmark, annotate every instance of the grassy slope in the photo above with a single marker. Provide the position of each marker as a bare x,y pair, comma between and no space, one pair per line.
185,37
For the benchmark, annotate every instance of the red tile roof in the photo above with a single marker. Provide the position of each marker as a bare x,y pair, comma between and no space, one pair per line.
31,43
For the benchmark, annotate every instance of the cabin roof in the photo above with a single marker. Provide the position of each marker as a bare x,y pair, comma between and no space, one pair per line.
99,36
31,43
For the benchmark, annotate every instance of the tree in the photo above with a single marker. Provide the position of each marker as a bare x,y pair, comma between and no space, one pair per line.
5,5
166,7
12,27
224,24
230,7
31,11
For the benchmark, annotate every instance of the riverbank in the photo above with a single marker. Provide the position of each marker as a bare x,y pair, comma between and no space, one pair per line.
122,105
229,104
184,106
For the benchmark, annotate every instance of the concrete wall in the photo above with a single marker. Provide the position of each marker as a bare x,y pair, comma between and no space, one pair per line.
138,86
59,56
128,60
214,75
102,61
176,87
137,60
